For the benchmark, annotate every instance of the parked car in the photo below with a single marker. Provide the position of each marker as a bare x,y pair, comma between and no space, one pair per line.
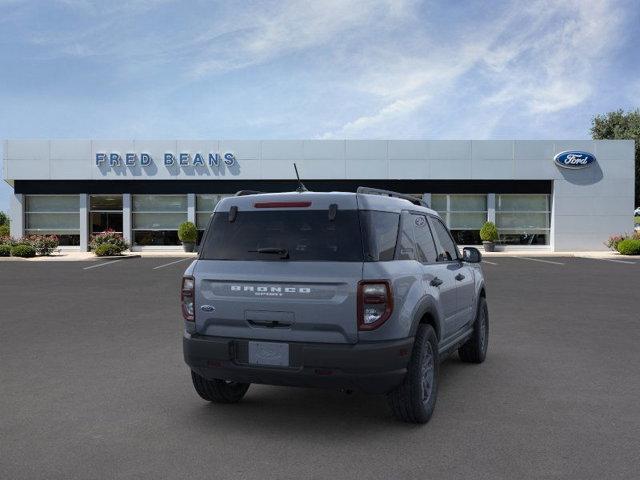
357,291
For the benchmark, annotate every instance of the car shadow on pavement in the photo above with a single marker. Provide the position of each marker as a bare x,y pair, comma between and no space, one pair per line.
310,412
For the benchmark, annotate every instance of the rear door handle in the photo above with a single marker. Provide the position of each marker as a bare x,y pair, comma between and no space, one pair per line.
436,282
459,277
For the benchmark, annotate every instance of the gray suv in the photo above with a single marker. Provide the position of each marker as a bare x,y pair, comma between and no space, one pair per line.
356,291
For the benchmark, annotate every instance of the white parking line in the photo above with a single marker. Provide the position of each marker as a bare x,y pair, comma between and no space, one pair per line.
540,260
102,264
490,263
612,260
172,263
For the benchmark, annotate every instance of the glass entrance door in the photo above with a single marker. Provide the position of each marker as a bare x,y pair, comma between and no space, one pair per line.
106,213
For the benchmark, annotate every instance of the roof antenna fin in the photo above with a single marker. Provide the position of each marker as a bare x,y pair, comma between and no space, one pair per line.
301,188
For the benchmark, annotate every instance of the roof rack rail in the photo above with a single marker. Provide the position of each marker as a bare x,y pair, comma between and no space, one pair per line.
242,193
389,193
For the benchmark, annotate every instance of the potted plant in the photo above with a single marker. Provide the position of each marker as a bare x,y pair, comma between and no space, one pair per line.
188,235
489,236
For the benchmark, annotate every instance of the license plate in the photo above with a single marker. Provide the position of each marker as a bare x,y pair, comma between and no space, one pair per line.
269,353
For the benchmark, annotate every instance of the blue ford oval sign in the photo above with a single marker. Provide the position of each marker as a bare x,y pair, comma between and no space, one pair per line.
574,159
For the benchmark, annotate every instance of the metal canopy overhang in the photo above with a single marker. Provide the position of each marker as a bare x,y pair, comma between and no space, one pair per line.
61,187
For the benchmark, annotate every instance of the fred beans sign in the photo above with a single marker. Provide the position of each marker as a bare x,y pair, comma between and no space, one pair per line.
169,159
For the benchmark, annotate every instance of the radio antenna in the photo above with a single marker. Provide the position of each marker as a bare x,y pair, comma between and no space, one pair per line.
301,188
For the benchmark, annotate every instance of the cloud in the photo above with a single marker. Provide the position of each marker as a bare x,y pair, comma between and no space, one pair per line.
394,110
362,68
541,58
292,26
215,37
553,65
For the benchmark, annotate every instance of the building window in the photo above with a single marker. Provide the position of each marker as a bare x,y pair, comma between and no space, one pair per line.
464,215
205,204
156,219
54,215
523,219
106,213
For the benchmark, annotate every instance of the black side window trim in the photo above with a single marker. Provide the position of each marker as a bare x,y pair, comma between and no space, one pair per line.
396,252
433,218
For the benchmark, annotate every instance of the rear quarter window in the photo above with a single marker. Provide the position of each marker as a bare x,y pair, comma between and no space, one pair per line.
379,234
406,249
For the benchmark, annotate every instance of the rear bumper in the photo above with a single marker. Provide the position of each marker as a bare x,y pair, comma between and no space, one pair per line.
374,367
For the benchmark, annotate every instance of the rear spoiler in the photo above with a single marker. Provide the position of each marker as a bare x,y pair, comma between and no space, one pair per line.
242,193
364,190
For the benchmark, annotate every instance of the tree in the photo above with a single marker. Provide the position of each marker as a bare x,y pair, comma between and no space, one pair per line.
4,225
620,125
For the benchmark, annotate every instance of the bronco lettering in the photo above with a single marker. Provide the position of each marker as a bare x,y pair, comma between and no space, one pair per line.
270,289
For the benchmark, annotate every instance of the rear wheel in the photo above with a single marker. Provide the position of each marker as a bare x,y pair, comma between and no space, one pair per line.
415,400
475,349
219,391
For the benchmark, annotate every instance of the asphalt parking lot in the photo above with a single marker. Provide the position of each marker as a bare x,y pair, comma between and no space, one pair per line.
92,385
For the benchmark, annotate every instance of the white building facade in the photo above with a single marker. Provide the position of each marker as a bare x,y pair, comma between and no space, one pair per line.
553,195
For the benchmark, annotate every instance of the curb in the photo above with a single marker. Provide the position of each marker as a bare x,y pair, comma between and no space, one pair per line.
116,257
604,255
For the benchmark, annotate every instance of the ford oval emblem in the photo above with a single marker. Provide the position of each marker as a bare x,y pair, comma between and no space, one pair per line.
574,159
207,308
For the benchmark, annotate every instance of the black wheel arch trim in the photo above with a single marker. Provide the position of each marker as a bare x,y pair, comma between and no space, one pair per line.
427,306
479,293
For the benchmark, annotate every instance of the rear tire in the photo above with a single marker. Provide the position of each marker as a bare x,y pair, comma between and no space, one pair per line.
415,400
219,391
474,350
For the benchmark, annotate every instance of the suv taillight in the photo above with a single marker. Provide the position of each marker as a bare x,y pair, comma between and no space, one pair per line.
375,303
187,295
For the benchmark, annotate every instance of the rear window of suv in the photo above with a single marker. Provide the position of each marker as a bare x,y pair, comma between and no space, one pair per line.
305,235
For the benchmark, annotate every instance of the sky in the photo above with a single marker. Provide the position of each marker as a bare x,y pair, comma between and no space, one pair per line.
286,69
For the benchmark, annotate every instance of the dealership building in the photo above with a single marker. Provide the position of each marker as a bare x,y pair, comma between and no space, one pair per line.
555,195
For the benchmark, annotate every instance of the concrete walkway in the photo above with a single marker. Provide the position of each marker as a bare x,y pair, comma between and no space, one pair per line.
75,256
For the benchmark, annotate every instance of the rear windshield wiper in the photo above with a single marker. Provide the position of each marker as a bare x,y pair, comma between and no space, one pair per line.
283,252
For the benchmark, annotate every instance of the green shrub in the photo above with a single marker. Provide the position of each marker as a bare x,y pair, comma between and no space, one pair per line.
489,232
4,219
613,241
108,250
5,250
4,231
187,232
629,246
44,244
108,237
23,250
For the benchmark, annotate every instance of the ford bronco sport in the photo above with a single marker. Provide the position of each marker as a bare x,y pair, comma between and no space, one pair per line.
356,291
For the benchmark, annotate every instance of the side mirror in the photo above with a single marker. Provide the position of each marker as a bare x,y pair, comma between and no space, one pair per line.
471,255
